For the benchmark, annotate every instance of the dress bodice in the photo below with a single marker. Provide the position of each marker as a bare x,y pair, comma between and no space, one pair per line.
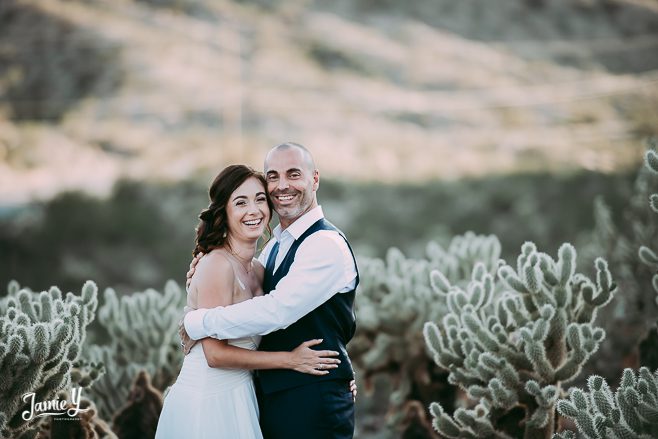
250,343
196,373
211,403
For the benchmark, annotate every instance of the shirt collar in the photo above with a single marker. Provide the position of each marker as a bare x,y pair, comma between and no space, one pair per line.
301,225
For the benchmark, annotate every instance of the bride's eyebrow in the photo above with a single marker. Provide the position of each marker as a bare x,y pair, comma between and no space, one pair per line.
245,197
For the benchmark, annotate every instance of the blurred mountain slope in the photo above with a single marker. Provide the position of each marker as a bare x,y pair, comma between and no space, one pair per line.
379,89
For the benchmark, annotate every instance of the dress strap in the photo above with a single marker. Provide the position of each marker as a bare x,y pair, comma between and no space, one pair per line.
236,274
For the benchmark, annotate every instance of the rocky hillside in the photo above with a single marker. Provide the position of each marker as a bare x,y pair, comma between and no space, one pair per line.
93,90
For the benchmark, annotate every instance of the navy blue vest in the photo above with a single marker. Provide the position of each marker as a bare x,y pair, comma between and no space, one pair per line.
333,321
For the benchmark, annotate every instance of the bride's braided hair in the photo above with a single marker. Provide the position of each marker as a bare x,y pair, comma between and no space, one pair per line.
212,231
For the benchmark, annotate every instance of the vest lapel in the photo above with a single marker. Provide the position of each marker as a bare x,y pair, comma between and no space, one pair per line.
268,285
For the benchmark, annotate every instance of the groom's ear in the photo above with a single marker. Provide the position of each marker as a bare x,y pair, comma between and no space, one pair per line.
316,180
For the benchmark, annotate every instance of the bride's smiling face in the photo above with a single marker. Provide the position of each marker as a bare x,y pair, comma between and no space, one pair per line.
247,210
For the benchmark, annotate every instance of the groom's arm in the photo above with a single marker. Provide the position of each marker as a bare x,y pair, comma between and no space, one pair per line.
323,266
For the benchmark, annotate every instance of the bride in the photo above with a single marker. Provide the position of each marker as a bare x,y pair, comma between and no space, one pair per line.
213,396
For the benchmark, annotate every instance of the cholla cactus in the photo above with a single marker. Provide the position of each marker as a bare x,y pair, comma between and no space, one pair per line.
84,373
514,346
635,310
631,412
144,336
648,256
395,299
111,390
648,346
40,339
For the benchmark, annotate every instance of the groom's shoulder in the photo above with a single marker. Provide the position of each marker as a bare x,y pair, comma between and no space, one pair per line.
327,241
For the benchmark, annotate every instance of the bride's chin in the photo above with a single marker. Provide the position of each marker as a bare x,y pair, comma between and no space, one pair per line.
255,234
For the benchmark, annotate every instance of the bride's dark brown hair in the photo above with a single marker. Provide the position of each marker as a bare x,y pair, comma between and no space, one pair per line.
212,231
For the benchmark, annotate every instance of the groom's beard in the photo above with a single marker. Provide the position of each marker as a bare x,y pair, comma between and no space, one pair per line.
291,211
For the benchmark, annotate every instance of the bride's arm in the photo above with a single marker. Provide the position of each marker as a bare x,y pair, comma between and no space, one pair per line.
303,359
214,283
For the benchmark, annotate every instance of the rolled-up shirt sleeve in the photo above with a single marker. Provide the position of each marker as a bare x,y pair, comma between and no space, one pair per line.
322,267
193,323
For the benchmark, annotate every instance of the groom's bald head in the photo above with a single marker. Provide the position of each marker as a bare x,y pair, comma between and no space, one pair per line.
306,154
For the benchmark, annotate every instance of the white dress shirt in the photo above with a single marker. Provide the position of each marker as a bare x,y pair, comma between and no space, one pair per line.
323,266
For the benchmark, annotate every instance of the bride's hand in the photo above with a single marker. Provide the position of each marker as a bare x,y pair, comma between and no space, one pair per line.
185,341
353,389
306,360
192,269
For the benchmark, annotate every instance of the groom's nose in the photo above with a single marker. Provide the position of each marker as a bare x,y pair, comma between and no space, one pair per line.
282,183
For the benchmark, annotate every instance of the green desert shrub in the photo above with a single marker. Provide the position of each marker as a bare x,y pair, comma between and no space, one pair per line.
142,234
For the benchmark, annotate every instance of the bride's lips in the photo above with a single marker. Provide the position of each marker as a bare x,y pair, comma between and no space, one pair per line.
253,223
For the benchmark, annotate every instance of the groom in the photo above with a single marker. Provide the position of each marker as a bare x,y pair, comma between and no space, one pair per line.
309,285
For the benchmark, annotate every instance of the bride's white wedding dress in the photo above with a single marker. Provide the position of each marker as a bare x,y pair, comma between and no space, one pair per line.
211,403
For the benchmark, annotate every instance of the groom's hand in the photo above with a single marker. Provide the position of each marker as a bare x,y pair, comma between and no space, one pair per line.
185,341
192,269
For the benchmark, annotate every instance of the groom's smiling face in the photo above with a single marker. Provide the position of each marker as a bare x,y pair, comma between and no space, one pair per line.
291,183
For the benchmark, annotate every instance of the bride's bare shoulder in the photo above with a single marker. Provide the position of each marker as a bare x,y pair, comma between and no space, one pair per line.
214,269
216,259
